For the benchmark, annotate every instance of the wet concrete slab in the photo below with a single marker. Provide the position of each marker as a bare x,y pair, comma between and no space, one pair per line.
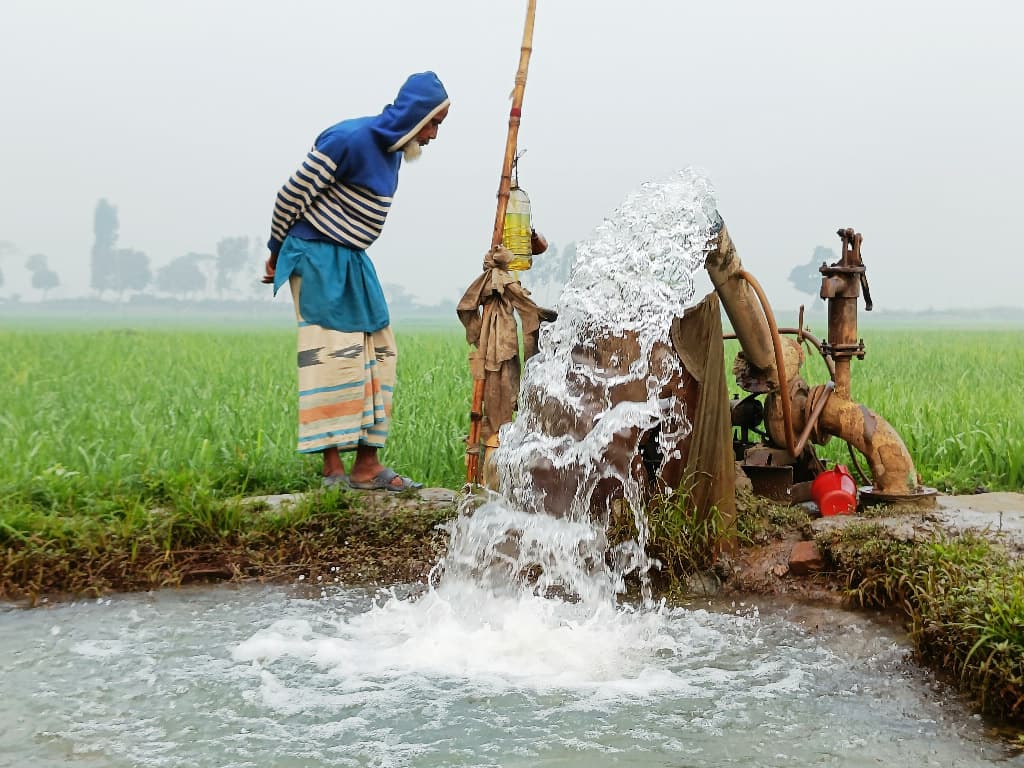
378,501
999,515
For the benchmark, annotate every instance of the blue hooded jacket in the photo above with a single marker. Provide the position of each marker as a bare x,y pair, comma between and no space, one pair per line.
362,153
339,200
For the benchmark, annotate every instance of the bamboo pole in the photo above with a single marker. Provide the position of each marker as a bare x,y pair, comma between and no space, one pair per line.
473,447
515,115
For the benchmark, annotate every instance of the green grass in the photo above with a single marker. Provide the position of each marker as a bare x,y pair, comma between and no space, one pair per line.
126,453
333,535
96,427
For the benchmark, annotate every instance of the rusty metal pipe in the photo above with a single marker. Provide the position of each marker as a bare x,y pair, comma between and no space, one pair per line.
892,469
723,265
805,336
753,322
816,343
841,285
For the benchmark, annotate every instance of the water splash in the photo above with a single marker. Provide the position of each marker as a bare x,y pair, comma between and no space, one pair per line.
595,389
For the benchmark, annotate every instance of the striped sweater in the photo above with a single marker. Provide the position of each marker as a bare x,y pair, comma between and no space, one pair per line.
343,191
315,204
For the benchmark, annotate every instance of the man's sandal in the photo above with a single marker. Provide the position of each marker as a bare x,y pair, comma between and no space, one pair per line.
384,481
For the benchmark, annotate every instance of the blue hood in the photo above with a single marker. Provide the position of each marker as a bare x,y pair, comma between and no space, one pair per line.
364,149
420,98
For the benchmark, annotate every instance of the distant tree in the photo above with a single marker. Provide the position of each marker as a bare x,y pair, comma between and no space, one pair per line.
806,278
112,268
183,275
36,262
130,271
232,256
249,284
401,303
105,226
43,278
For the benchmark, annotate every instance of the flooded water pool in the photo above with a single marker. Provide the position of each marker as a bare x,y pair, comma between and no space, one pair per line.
277,676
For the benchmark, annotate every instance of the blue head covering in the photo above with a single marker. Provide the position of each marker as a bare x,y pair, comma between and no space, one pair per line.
365,149
420,98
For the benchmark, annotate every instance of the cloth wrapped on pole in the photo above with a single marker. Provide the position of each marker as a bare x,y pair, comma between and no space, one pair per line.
488,311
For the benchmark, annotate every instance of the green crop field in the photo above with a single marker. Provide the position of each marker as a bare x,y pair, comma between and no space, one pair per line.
94,422
98,415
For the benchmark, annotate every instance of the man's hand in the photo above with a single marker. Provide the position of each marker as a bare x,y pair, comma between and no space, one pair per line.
268,270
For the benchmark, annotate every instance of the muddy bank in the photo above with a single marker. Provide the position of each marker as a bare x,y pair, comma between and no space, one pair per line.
953,575
368,539
383,538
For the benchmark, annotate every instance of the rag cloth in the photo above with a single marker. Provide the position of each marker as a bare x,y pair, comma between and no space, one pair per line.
487,310
710,472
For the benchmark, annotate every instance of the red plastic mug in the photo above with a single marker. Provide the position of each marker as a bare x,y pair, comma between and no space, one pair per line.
835,492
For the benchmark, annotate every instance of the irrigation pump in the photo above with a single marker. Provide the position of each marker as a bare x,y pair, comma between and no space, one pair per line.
774,439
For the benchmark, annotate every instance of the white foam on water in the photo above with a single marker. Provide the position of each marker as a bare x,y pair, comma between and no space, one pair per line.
461,641
486,642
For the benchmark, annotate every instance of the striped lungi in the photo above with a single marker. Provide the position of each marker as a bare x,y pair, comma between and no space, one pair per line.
346,381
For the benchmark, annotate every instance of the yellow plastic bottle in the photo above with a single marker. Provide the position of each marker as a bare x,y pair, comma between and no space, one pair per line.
516,234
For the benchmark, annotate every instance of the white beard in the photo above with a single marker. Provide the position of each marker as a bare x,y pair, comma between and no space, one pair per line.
411,151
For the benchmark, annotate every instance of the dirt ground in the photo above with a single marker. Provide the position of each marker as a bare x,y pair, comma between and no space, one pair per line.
771,568
786,564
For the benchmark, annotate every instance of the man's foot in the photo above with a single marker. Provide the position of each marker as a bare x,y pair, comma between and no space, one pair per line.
334,470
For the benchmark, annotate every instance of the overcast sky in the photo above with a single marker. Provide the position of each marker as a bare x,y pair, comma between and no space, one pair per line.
903,120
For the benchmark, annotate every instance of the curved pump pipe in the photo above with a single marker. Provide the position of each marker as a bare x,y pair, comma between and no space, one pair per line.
750,325
892,469
752,320
754,325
